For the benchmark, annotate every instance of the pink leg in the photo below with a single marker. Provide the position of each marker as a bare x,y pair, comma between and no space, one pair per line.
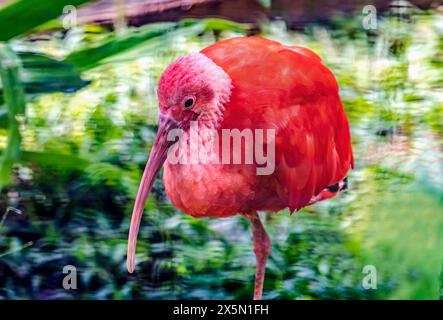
262,247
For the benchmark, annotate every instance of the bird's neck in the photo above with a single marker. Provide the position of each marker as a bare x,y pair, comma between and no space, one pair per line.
221,84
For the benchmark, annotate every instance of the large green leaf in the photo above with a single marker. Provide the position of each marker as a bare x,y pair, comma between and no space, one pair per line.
42,74
115,44
14,96
151,46
52,159
22,16
137,42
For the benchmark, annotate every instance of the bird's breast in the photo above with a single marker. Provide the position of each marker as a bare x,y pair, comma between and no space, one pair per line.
205,187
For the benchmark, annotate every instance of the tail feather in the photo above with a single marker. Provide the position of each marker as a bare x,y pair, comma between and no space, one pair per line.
330,191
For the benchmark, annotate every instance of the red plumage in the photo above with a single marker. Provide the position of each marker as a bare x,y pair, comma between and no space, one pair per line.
250,83
289,89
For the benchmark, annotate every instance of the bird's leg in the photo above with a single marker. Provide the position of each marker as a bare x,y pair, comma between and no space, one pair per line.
262,247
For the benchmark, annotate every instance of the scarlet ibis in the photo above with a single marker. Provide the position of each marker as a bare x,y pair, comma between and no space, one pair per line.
249,83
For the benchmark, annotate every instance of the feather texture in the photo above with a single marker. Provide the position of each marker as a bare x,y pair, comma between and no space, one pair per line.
290,90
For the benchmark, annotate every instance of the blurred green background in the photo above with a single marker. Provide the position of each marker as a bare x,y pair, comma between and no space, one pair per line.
78,113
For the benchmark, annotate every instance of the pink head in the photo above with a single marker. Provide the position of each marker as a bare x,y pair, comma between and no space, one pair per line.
193,88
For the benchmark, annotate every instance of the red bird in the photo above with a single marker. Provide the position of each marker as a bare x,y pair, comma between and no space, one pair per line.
248,83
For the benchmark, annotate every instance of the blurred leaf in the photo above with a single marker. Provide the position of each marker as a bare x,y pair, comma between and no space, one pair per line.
51,159
165,40
402,232
42,74
14,96
3,118
138,42
22,16
91,57
216,24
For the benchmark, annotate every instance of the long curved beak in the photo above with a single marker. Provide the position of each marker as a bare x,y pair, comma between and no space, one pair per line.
156,159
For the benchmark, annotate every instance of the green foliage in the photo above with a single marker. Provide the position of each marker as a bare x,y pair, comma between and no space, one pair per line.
139,42
39,73
116,44
15,102
21,16
42,74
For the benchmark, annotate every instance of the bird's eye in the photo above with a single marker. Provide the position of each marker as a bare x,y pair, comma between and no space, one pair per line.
189,103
